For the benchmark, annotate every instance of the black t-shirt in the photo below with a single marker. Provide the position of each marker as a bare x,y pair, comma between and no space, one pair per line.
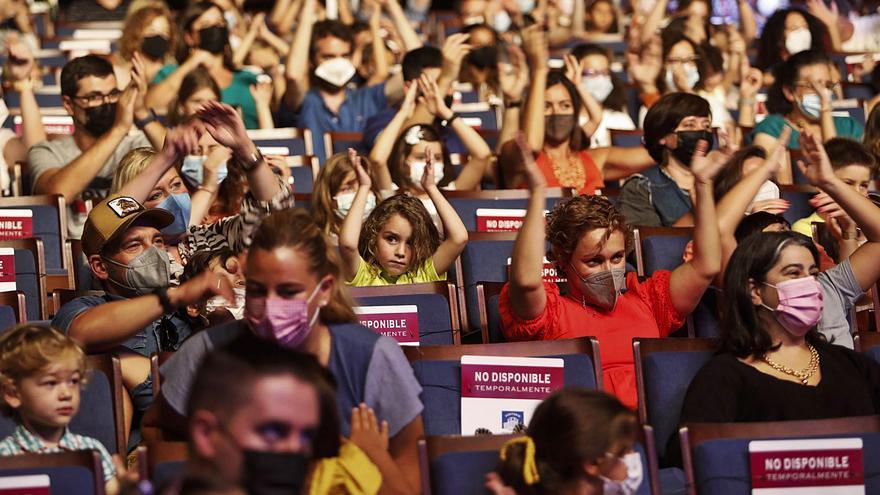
727,390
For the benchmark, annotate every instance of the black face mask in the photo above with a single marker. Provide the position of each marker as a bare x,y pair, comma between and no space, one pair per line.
155,47
274,473
557,128
214,39
100,119
687,145
483,57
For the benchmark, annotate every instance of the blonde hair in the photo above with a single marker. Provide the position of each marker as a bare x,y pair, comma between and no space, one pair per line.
296,229
327,184
27,349
133,163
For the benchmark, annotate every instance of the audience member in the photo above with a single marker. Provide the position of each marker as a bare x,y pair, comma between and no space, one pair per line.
605,87
334,192
788,32
148,32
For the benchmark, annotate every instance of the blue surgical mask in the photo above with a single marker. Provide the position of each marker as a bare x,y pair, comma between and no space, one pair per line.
811,106
691,73
180,206
193,166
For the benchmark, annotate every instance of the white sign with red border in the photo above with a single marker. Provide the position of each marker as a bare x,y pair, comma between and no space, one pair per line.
499,392
34,484
7,270
549,272
830,466
400,322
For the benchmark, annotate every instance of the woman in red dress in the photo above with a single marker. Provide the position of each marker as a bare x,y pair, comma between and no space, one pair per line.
589,239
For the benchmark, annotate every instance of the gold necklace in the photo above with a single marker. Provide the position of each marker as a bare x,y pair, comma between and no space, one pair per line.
571,173
804,375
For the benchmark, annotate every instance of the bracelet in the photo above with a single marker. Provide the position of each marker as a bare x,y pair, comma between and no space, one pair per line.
249,163
207,189
141,123
450,120
513,104
167,307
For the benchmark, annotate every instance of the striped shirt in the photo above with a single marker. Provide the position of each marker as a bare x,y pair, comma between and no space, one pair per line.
22,441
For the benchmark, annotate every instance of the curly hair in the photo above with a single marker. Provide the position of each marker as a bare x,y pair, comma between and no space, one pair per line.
425,236
572,218
27,349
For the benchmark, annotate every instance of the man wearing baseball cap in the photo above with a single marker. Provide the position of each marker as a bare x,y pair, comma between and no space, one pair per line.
138,314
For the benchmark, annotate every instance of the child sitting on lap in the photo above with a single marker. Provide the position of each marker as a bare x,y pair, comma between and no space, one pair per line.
41,373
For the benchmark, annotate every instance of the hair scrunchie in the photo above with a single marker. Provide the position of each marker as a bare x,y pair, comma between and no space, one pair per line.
530,468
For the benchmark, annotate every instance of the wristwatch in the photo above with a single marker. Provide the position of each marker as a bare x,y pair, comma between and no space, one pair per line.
141,123
450,120
251,161
167,306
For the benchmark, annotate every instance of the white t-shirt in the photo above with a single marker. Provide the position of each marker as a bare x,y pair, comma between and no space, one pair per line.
611,119
866,34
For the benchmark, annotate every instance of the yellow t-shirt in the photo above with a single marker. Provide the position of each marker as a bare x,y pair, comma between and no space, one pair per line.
805,225
352,473
369,275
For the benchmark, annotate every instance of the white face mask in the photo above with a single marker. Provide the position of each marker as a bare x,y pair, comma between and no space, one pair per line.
769,190
236,308
798,40
344,201
692,75
336,71
634,475
598,86
417,169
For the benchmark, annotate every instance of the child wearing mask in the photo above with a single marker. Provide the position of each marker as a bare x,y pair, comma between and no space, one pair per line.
399,243
606,88
334,191
42,372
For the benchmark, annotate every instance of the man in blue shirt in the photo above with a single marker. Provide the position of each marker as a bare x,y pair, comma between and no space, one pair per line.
138,315
319,69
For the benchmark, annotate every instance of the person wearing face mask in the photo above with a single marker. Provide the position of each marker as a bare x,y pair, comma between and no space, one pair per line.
217,309
138,315
578,441
149,32
604,87
263,417
681,72
334,191
480,66
788,32
296,297
79,166
205,38
319,69
664,194
552,125
800,98
588,239
157,182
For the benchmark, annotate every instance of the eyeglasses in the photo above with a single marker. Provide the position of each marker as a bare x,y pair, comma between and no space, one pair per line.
168,336
830,86
95,100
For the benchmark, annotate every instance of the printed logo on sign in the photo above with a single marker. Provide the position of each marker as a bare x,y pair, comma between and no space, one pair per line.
510,419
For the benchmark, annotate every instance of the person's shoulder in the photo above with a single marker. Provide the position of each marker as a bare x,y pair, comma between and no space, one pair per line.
244,77
771,124
55,145
222,334
353,332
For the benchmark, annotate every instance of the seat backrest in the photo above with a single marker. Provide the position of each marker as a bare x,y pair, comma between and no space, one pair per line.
458,465
302,172
438,370
868,343
664,370
716,456
484,259
626,139
466,204
488,294
437,310
70,473
478,115
160,462
660,248
100,411
49,223
297,141
339,142
798,197
28,280
13,309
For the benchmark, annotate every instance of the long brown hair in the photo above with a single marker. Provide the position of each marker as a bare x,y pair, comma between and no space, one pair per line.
570,428
197,80
136,22
296,229
425,237
327,185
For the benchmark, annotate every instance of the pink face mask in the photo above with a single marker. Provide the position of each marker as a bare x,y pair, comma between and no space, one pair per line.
800,304
285,321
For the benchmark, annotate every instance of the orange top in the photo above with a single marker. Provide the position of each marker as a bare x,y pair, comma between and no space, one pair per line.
584,181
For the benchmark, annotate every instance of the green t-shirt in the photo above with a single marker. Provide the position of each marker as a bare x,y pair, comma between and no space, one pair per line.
846,127
237,94
369,275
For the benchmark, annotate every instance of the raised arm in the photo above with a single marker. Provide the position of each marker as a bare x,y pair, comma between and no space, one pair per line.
478,150
240,54
578,19
385,140
350,231
654,20
71,179
163,93
689,281
205,195
455,48
298,59
263,92
574,71
380,61
513,77
619,163
861,209
154,130
410,38
829,17
538,54
226,127
527,294
747,23
20,68
180,141
456,232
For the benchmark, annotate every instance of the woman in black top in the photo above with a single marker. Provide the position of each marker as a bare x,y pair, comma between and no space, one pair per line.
774,365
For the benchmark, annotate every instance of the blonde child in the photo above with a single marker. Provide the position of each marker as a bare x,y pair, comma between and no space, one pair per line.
399,243
41,373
